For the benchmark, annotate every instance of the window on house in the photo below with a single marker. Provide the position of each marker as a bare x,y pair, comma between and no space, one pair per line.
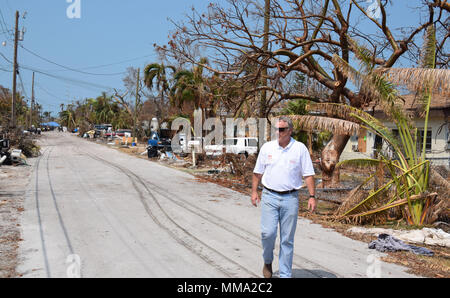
419,139
420,134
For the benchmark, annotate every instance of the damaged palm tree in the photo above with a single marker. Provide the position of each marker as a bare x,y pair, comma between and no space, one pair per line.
409,170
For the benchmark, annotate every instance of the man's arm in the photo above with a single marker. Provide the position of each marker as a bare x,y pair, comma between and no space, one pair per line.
310,184
255,182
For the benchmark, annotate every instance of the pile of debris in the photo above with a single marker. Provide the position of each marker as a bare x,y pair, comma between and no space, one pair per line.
428,236
16,147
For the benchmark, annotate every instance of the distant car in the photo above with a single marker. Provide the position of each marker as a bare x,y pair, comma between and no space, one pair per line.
118,133
121,132
105,127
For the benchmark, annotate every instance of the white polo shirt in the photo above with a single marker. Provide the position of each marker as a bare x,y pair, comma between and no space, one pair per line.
283,168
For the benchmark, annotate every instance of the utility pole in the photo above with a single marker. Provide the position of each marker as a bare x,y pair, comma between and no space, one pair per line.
136,103
14,91
32,101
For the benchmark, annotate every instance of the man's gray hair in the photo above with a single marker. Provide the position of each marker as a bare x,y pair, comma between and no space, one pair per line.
288,120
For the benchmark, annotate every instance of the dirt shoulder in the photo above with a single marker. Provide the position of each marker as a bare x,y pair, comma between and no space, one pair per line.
14,181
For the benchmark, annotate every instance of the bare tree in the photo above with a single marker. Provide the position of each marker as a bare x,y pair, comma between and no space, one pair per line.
303,38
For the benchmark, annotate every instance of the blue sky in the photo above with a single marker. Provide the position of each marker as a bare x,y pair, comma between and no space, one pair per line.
108,32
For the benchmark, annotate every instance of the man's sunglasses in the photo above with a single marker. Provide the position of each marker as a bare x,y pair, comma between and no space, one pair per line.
283,128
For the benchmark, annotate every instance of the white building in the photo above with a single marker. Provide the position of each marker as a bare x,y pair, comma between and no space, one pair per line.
438,135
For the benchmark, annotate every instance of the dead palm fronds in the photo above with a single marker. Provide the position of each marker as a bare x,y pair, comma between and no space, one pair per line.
425,79
414,78
341,111
409,170
313,123
372,85
355,196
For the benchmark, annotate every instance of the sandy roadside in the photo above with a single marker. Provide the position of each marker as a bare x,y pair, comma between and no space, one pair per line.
13,184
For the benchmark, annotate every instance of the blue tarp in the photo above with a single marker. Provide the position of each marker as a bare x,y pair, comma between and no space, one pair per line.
54,124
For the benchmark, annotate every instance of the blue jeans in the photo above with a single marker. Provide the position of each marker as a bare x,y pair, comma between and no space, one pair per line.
282,209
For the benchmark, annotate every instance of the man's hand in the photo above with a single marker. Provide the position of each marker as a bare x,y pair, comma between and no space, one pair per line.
255,181
312,204
255,199
309,181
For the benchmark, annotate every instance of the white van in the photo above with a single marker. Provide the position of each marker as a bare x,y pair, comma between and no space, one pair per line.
239,145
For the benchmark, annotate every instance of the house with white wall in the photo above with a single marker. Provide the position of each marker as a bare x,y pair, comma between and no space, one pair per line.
364,143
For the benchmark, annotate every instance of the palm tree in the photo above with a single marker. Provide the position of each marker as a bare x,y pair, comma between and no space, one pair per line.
155,76
191,86
409,170
67,117
103,108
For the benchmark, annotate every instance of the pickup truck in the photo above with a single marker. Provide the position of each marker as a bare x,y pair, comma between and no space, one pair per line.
240,145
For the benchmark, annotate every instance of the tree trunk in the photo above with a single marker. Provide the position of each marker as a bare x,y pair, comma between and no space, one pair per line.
263,101
330,157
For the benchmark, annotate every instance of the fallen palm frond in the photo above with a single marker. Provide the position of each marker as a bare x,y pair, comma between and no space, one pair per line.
353,198
313,123
397,203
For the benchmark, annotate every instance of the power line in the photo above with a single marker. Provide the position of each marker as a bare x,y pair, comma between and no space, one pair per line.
117,63
23,87
69,68
5,27
79,83
5,70
4,57
46,91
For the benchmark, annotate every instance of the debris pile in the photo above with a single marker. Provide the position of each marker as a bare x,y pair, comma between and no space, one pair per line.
427,236
16,147
386,242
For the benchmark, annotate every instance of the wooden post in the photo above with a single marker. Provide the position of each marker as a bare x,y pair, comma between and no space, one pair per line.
136,103
32,101
14,91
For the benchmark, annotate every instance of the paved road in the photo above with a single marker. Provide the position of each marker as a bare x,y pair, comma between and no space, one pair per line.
92,211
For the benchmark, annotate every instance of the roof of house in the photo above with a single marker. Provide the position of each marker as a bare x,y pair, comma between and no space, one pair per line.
412,103
437,102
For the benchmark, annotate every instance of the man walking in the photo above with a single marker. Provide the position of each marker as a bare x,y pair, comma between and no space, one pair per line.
280,167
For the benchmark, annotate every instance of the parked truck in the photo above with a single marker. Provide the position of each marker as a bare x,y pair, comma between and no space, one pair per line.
160,141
